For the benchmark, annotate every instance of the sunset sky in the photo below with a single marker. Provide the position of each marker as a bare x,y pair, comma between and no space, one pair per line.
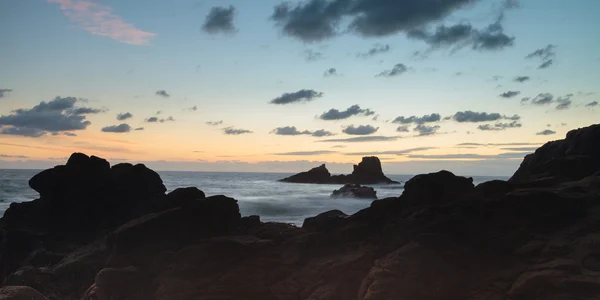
466,85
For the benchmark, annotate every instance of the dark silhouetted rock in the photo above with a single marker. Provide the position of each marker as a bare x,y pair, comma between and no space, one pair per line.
355,191
20,293
439,187
368,171
324,220
573,158
182,196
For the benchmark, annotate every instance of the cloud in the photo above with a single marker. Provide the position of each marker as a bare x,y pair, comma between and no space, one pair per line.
307,153
124,116
69,133
311,55
122,128
360,130
354,110
159,120
321,133
13,156
546,64
564,102
546,54
542,99
163,93
398,69
214,123
23,131
532,149
361,139
4,91
98,19
592,104
377,49
299,96
475,117
391,152
418,120
507,155
339,146
193,108
59,114
499,126
425,130
509,94
492,38
546,132
331,72
402,128
86,111
234,131
291,130
521,79
139,128
317,20
220,20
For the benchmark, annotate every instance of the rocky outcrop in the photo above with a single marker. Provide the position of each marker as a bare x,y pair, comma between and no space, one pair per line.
443,238
20,293
355,191
575,157
368,171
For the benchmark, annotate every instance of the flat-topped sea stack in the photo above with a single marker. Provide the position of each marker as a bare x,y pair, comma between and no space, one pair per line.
368,171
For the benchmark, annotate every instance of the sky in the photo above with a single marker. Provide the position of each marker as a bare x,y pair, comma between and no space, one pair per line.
470,86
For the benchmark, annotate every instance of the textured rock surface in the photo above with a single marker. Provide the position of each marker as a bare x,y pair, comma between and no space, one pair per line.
355,191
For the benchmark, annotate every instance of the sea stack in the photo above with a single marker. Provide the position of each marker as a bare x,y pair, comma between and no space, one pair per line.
368,171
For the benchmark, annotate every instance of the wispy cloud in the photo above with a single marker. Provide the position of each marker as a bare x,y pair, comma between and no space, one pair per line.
98,19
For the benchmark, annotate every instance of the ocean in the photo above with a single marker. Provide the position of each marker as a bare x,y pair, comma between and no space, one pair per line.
257,193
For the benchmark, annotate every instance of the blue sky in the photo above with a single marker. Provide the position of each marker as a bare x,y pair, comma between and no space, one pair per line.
52,49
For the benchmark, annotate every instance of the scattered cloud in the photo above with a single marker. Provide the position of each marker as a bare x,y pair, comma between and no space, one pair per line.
163,93
235,131
546,132
509,94
362,139
220,20
424,130
98,19
292,130
564,102
122,128
521,79
322,133
214,123
507,155
57,115
139,128
124,116
398,69
435,117
360,130
402,128
592,104
542,99
317,20
377,49
499,126
311,55
391,152
339,146
331,72
4,91
69,133
546,54
476,117
299,96
159,120
306,153
193,108
354,110
13,156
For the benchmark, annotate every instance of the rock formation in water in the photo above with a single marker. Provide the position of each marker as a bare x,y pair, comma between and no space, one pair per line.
355,191
531,238
368,171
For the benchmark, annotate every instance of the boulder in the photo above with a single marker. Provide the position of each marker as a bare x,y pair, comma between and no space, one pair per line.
368,171
436,188
324,221
573,158
355,191
20,293
182,196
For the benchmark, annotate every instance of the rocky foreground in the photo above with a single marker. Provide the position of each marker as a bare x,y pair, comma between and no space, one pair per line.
101,232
